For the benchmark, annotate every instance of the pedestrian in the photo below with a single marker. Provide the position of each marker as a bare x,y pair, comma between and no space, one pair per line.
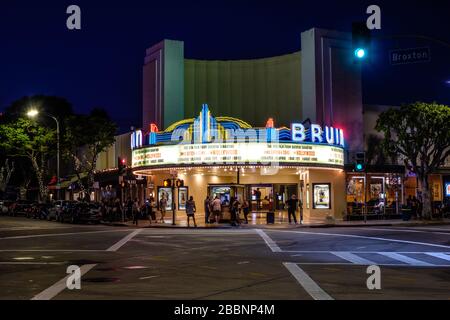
419,207
414,206
300,206
190,210
246,209
292,208
217,209
129,206
207,209
234,209
150,212
136,211
116,209
409,202
258,199
162,207
103,210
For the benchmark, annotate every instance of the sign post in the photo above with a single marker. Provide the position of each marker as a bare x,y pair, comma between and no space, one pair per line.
409,56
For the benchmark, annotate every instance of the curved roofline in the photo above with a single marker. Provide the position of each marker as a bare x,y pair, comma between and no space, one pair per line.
242,123
245,60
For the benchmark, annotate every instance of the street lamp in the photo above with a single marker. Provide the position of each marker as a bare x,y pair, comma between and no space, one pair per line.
33,113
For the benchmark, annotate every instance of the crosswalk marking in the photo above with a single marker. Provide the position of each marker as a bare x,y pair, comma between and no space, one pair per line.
270,243
396,258
439,255
310,286
405,259
353,258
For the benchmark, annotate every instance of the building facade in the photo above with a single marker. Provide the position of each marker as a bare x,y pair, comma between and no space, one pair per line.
261,129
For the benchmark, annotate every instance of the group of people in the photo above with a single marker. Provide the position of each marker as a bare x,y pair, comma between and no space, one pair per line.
113,209
415,205
214,210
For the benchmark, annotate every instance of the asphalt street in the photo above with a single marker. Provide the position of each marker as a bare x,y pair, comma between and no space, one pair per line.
250,262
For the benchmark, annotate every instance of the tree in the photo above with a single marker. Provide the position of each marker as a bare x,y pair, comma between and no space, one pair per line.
47,105
25,138
420,134
86,137
5,175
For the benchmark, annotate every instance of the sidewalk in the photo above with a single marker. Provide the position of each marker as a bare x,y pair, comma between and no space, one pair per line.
259,221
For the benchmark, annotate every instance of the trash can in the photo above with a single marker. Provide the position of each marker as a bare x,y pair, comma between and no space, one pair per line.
270,217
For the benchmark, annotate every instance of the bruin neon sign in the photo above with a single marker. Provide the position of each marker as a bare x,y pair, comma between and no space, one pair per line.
299,134
136,139
316,134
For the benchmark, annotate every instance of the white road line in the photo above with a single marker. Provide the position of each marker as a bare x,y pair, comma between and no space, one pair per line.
439,255
29,263
353,258
270,243
32,228
124,240
62,234
194,233
51,250
405,259
310,286
404,230
378,264
59,286
358,252
363,237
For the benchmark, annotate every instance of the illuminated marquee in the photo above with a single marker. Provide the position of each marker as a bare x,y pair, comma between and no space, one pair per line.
238,154
208,140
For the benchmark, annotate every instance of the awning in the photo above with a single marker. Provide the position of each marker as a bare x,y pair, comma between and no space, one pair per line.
67,182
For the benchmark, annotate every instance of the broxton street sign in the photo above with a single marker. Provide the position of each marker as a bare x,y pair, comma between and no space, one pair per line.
407,56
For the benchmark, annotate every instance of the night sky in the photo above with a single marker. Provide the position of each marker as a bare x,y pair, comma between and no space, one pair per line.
101,65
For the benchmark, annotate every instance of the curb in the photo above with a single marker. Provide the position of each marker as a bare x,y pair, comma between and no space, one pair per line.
169,226
164,226
421,224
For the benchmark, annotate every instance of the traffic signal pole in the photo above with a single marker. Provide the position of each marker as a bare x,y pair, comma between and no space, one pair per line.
365,196
173,183
173,202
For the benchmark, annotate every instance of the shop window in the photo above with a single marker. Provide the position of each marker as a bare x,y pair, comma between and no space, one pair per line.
321,195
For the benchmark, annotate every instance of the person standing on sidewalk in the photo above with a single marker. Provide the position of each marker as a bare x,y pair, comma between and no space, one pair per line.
162,207
129,206
190,210
149,203
217,209
292,208
234,211
300,207
246,209
207,209
136,211
119,212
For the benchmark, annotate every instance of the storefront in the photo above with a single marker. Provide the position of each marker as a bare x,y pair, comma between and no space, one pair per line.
378,192
226,157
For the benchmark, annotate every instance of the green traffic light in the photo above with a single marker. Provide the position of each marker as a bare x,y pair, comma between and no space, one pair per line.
360,53
359,167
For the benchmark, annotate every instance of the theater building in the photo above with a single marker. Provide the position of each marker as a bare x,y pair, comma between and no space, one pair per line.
227,157
273,127
317,88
